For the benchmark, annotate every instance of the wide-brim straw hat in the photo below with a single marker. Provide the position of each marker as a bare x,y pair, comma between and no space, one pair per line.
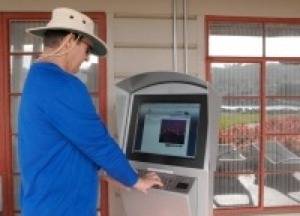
73,21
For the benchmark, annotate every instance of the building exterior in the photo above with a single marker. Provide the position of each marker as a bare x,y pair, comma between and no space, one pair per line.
260,86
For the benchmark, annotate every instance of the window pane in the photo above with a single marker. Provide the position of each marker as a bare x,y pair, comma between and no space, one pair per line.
235,39
282,153
20,64
283,79
16,168
20,41
95,100
236,79
235,191
19,71
15,104
16,192
239,133
283,116
283,40
89,73
99,197
282,189
282,159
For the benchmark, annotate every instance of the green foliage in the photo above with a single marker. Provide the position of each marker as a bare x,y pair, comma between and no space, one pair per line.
231,119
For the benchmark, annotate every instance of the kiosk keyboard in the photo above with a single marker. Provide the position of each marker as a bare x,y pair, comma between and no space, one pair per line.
172,182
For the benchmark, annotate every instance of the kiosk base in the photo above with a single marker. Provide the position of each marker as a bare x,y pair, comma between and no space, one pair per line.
157,202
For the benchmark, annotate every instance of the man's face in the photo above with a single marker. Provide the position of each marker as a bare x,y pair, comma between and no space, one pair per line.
78,54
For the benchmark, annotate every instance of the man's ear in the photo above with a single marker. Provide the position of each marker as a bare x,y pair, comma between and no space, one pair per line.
68,40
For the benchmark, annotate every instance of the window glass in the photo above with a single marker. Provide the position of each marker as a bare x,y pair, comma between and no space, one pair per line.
20,41
235,191
283,79
235,39
282,40
236,79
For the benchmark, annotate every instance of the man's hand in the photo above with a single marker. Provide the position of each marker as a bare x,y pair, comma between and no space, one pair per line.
148,181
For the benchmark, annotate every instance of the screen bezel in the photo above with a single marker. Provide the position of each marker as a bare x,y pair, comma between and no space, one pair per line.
195,162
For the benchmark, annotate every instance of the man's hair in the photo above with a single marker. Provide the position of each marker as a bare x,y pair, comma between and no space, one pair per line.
52,38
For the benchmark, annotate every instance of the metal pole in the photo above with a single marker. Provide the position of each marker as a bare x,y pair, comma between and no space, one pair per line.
174,36
185,35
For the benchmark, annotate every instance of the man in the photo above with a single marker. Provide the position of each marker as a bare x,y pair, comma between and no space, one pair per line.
62,141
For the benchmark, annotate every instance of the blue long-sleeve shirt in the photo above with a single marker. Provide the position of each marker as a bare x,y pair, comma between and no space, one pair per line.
62,144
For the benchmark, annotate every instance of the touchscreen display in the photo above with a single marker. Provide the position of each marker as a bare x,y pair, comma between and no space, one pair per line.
167,129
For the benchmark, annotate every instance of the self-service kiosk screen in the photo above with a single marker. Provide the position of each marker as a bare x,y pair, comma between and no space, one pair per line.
168,129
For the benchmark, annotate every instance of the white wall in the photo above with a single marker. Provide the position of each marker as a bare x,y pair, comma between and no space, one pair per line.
277,8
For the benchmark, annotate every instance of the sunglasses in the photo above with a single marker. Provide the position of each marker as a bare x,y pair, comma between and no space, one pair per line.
87,42
88,49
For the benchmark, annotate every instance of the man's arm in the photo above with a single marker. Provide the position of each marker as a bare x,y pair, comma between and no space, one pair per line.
70,110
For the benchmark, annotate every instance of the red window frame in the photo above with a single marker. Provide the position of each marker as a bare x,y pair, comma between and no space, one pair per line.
263,102
6,161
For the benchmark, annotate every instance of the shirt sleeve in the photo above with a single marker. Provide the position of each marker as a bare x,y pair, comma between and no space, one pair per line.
71,111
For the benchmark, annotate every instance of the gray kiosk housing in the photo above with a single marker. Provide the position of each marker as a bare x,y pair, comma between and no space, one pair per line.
167,123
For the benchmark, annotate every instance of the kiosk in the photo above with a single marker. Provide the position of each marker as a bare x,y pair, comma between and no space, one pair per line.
167,123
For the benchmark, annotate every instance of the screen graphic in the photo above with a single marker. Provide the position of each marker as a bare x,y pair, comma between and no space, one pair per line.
172,132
